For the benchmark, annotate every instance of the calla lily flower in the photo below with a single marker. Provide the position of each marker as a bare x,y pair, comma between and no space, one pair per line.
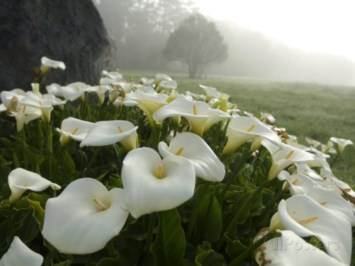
156,184
284,155
149,100
100,91
267,118
21,180
242,129
74,90
73,128
6,96
306,217
44,102
192,147
113,75
330,199
22,113
50,63
299,183
199,114
110,132
84,217
20,254
291,250
341,143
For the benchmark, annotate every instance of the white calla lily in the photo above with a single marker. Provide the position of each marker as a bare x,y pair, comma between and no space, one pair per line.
43,102
73,128
100,91
110,132
20,180
156,184
147,99
199,114
74,90
84,217
22,113
291,250
331,199
242,128
19,254
284,155
6,96
306,217
341,143
300,184
50,63
192,147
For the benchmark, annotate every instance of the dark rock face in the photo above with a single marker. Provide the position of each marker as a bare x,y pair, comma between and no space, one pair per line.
66,30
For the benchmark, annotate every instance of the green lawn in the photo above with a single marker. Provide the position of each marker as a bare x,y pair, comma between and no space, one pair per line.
312,110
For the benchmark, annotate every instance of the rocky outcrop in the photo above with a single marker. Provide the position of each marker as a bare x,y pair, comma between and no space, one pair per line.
65,30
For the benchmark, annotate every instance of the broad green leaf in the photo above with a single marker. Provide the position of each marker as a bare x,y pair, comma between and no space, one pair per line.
206,221
206,256
169,246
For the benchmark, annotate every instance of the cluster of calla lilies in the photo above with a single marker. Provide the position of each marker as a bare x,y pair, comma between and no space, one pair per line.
86,215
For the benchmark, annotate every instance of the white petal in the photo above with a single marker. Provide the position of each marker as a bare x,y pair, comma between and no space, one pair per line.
75,128
146,192
76,222
45,61
331,199
243,128
191,146
291,250
306,217
21,180
110,132
19,254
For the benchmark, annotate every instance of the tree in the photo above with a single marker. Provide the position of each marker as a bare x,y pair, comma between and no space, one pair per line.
197,43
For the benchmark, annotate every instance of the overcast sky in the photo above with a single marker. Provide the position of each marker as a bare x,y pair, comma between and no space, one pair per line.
313,25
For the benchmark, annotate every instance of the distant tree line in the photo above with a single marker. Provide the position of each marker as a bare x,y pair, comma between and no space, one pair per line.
149,33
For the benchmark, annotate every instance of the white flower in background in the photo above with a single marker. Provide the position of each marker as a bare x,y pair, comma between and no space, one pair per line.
291,250
73,128
147,81
242,128
147,99
110,132
199,114
297,183
84,217
21,180
163,81
305,169
100,91
306,217
341,143
19,254
7,96
314,143
43,102
331,182
55,89
284,155
152,184
47,63
267,118
113,75
74,90
194,148
2,108
329,198
22,113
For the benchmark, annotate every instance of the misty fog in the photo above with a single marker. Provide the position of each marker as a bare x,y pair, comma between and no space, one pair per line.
139,33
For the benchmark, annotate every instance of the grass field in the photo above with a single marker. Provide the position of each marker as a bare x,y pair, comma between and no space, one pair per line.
305,109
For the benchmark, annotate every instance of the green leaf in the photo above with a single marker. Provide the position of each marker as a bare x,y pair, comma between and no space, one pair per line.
169,246
206,223
206,256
